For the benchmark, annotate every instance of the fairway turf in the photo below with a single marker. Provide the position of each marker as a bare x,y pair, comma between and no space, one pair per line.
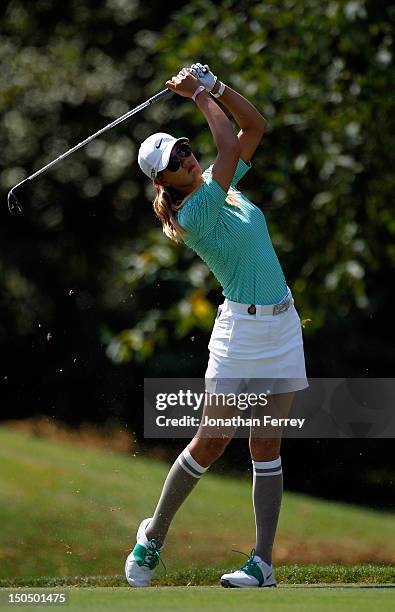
84,506
216,599
209,576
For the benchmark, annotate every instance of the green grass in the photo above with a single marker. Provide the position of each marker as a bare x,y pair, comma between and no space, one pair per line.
68,511
193,576
212,599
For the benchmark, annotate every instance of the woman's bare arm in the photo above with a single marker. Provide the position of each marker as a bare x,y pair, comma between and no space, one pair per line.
226,141
228,146
252,123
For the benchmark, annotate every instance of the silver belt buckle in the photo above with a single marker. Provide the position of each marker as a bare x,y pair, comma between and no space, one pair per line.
282,307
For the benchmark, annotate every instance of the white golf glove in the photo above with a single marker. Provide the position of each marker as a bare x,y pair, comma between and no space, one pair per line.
204,74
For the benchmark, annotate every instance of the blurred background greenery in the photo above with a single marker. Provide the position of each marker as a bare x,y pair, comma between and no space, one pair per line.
93,296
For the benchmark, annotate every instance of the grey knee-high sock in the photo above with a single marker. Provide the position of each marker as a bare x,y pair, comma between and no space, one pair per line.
267,493
181,479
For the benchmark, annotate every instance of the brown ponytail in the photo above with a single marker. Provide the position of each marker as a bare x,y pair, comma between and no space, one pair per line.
168,201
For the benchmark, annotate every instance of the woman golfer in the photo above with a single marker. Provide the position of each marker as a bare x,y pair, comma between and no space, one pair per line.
257,333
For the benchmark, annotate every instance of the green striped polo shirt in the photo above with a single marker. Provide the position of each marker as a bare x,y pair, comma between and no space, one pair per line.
233,241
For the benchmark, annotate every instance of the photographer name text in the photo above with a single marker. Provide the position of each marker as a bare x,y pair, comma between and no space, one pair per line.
235,421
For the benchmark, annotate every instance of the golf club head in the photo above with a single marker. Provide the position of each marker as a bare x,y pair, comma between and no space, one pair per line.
14,205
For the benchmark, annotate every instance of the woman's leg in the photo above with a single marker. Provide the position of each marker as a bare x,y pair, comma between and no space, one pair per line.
267,474
187,470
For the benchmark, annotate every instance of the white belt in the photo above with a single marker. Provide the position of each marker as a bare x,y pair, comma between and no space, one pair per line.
257,309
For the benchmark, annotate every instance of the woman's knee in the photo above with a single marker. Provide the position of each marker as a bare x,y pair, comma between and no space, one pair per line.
207,450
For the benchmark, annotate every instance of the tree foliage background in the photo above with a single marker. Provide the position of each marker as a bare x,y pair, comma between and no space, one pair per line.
93,297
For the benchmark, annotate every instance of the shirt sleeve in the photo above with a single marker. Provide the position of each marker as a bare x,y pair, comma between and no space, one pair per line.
241,169
200,213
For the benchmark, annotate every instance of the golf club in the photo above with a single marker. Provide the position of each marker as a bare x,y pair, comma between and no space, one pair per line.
14,205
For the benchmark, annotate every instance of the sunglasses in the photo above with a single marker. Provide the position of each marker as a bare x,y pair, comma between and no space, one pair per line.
182,152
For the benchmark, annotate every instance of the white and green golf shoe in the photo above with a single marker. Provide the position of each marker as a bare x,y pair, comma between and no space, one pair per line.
254,573
142,561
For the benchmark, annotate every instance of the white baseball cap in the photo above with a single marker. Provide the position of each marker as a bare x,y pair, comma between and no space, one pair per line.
154,152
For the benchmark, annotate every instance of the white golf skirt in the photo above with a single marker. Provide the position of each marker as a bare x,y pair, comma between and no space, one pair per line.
260,352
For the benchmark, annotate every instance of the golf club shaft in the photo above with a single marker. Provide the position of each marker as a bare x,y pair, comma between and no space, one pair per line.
14,205
159,96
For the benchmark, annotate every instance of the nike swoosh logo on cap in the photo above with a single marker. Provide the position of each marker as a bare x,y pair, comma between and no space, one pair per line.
158,145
